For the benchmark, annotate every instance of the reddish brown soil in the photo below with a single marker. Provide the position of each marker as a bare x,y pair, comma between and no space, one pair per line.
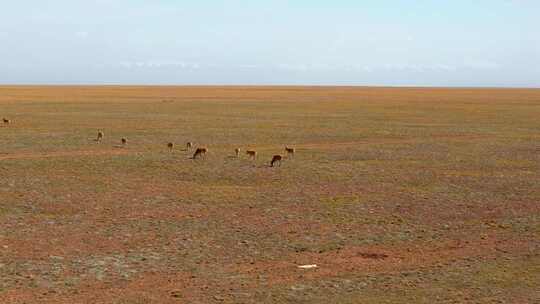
416,195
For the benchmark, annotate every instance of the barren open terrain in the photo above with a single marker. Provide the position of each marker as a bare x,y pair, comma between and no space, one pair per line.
398,195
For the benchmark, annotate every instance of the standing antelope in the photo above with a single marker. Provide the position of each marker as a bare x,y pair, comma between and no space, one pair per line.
6,121
170,146
200,152
252,153
276,158
124,141
189,145
100,135
237,151
290,151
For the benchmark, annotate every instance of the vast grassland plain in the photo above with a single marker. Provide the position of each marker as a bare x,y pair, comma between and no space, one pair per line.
398,195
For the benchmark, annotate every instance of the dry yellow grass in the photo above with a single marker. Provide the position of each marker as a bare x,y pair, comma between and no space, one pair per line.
397,194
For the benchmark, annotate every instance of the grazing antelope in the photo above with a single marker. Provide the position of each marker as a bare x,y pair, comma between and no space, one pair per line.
200,152
237,151
100,135
6,121
189,145
170,146
124,141
290,151
251,153
276,158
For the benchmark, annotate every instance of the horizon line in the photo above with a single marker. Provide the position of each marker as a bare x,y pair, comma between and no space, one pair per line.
266,85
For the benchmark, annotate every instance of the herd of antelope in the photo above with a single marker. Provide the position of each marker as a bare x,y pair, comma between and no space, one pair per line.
201,151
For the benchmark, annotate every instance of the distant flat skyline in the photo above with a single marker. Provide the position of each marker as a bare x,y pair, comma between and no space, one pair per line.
238,42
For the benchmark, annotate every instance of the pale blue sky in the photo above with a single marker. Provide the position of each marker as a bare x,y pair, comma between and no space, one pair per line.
440,43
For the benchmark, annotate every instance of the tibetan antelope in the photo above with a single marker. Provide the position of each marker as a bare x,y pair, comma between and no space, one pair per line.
6,121
200,152
170,146
290,151
189,145
100,135
124,141
275,159
237,151
252,153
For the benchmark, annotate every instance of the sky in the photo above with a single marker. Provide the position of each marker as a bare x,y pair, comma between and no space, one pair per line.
294,42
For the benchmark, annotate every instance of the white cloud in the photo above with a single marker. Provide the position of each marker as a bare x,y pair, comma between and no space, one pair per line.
314,67
159,64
